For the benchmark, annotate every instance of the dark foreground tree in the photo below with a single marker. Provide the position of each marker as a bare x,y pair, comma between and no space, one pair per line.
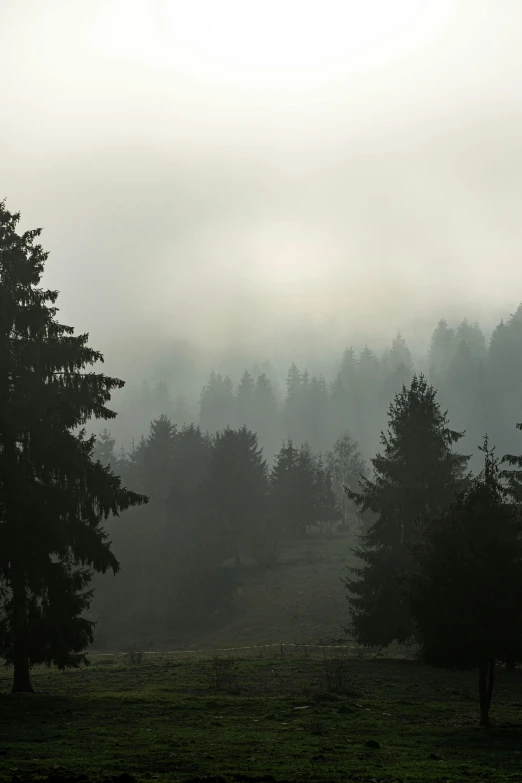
416,472
466,590
53,495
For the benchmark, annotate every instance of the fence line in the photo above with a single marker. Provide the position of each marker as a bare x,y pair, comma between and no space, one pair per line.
280,646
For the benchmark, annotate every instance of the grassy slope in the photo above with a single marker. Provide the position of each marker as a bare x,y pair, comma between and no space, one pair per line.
162,721
302,600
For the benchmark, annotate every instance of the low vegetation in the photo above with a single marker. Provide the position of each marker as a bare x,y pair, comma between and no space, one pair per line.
171,720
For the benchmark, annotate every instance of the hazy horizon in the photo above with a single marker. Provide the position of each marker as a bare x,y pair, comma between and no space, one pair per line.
267,180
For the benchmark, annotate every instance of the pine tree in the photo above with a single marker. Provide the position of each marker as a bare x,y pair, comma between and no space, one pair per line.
370,376
53,496
316,414
327,509
236,487
217,403
104,449
345,397
158,459
267,418
416,472
244,403
291,416
306,507
466,588
440,354
283,486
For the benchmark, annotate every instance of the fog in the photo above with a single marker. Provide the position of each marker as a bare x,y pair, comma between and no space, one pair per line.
271,180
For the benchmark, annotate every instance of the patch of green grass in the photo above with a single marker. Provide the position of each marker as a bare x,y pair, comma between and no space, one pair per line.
163,721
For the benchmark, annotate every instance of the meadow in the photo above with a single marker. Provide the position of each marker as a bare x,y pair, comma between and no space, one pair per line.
228,719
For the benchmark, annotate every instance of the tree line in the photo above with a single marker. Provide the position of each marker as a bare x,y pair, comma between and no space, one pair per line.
476,379
215,506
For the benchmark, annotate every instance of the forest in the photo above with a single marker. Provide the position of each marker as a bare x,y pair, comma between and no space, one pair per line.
101,544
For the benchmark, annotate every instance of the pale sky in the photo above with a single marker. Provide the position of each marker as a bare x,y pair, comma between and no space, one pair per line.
245,174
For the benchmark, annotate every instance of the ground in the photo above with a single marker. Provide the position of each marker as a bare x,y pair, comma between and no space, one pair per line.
295,719
300,601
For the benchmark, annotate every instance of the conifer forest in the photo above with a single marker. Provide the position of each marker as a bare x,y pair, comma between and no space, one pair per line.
260,392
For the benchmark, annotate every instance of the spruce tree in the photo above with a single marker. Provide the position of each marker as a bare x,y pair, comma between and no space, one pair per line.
244,403
292,408
306,508
416,472
267,419
104,449
465,591
54,496
327,508
236,487
158,459
284,488
217,403
440,353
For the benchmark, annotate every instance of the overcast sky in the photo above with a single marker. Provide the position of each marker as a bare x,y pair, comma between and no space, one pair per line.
250,174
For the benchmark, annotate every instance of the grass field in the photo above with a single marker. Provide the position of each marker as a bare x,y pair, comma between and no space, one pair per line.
183,720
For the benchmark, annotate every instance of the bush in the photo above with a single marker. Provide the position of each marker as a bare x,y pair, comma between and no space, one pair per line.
222,674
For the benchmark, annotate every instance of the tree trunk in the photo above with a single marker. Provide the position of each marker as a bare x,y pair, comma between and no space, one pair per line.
486,683
22,677
491,682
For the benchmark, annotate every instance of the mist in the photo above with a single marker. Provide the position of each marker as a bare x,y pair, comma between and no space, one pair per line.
276,182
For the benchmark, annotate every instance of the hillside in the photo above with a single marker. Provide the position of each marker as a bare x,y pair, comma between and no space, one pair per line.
300,601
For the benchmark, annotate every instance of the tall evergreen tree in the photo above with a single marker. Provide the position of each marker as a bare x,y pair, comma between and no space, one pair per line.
327,509
217,403
416,472
236,487
245,415
267,418
440,353
284,488
292,409
104,449
158,459
53,496
466,586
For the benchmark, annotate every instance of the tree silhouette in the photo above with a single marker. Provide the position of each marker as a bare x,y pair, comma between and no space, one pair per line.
416,471
53,496
466,588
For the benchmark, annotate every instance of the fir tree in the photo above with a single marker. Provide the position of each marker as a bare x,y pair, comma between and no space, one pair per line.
245,401
466,588
158,458
306,506
327,509
53,496
283,486
293,398
236,487
217,403
267,419
416,472
104,450
440,353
